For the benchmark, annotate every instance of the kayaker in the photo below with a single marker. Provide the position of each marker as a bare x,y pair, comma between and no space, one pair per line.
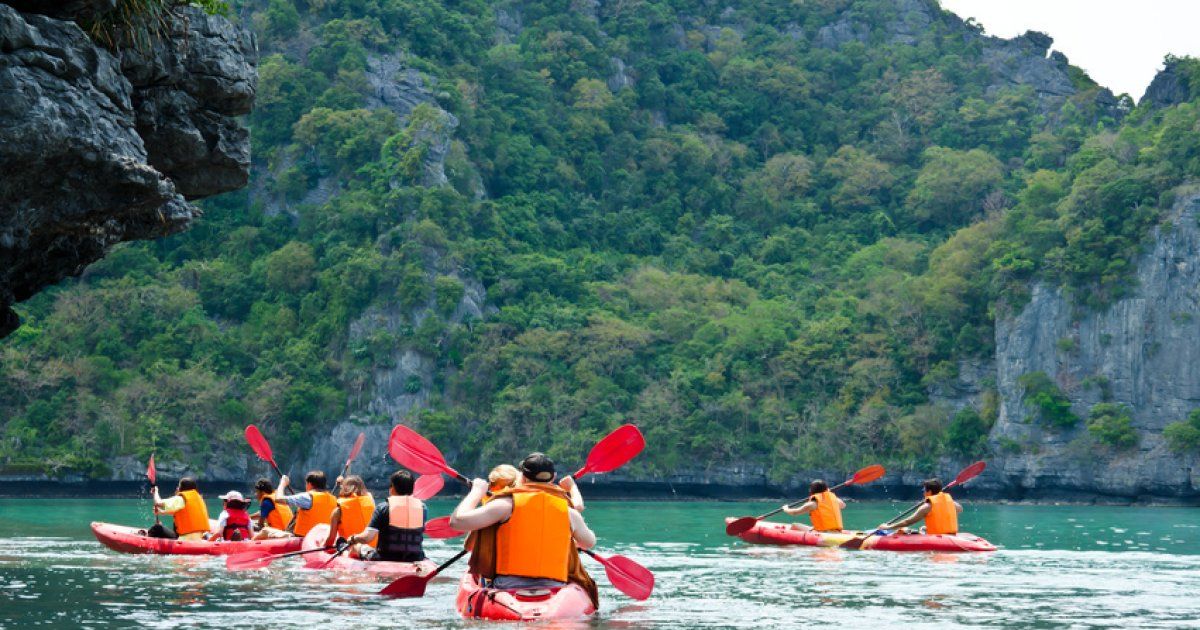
234,522
401,518
939,511
273,516
355,507
314,506
187,508
823,507
534,543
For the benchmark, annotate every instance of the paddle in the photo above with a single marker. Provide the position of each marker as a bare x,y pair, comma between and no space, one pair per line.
743,524
414,585
440,528
625,575
358,444
340,550
967,474
248,560
427,486
261,448
614,451
152,475
411,450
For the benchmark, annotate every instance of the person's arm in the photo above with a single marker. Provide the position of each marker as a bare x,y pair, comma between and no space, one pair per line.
803,509
283,484
469,516
302,501
335,519
365,537
915,518
218,530
264,510
958,507
170,505
583,536
568,483
841,503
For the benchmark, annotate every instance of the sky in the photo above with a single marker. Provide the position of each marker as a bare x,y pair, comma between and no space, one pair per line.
1120,43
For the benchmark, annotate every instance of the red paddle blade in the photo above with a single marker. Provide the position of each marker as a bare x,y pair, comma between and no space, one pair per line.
258,443
440,528
741,525
358,444
629,577
151,473
414,452
249,560
868,474
407,586
612,452
970,472
428,486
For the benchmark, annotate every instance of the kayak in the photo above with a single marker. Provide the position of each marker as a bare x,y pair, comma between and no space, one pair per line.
566,602
135,540
765,533
325,560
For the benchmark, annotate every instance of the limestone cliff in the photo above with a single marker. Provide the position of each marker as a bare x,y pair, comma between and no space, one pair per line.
99,147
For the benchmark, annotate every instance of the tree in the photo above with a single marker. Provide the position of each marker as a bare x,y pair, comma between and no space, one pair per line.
951,185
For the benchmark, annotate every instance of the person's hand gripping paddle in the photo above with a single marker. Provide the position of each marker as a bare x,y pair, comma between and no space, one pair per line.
967,474
414,452
745,523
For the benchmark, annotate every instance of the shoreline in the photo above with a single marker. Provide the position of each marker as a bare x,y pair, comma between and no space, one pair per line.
634,492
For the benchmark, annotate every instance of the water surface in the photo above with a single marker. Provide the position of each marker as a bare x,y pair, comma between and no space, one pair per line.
1058,566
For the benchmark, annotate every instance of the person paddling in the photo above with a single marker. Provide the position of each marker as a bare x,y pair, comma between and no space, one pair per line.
940,512
823,507
314,506
401,519
355,507
188,509
234,522
537,534
273,516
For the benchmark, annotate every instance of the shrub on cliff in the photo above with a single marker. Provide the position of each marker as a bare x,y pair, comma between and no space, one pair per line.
1112,424
1052,405
1184,436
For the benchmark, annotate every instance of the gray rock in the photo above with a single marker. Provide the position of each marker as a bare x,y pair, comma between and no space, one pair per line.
96,150
1147,347
1169,87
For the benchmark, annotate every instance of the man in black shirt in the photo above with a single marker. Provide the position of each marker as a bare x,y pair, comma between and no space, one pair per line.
402,523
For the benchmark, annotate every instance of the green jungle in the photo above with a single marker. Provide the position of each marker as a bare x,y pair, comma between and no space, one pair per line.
683,214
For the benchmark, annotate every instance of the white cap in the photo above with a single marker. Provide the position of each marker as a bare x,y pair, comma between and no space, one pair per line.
233,495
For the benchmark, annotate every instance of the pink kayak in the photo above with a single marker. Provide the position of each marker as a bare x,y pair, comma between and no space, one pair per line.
476,602
325,560
134,540
766,533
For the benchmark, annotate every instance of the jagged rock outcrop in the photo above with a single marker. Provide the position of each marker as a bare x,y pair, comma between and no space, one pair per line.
1169,87
97,148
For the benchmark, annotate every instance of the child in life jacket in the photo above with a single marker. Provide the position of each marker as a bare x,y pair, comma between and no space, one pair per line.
234,522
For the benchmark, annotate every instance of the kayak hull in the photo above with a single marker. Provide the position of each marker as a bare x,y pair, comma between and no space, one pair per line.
567,602
766,533
325,560
129,540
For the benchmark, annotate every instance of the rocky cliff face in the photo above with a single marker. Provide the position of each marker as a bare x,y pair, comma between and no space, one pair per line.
99,147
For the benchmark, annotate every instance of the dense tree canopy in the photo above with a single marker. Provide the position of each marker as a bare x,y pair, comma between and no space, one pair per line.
757,246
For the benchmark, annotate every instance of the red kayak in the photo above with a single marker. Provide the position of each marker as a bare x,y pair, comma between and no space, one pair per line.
322,560
134,540
765,533
566,602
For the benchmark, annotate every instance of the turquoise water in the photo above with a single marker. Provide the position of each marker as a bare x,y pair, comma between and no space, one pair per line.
1058,566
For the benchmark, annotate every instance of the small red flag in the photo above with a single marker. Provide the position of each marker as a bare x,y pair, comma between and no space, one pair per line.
150,473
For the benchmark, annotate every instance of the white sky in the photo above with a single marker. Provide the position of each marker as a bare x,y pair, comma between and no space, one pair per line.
1120,43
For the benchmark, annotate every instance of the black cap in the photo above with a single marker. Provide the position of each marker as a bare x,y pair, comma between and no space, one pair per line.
538,467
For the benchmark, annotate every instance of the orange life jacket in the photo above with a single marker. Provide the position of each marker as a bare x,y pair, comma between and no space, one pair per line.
827,517
281,516
323,505
942,517
356,514
194,515
535,541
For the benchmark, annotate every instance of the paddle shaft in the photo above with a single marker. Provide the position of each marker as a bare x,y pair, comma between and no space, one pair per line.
803,501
